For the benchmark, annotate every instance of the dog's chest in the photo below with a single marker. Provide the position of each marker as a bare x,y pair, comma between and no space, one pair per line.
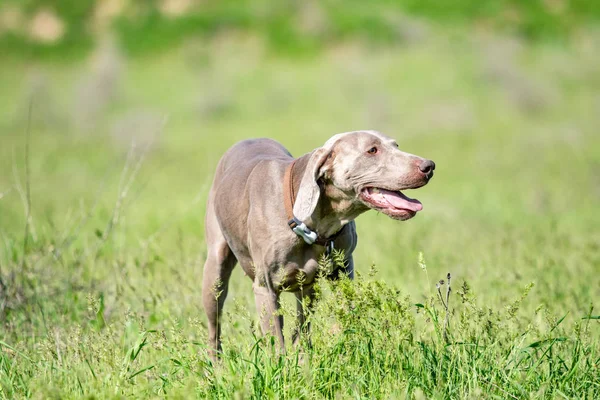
302,265
296,272
293,264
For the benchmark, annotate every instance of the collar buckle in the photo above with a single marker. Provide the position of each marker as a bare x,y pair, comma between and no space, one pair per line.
302,230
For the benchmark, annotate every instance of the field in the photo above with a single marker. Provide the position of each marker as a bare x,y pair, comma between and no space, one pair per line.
105,166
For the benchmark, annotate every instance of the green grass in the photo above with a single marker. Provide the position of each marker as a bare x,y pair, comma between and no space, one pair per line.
288,26
103,299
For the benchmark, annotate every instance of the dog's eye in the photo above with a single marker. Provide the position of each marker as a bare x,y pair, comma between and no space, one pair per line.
372,150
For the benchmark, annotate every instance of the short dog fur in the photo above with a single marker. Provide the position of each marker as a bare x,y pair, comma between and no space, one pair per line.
246,220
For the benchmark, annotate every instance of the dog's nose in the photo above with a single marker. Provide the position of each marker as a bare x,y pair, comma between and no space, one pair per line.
427,167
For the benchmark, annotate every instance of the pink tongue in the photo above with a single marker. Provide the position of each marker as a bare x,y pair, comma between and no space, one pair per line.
398,200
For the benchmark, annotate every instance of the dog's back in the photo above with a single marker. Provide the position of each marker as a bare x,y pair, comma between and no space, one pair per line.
229,197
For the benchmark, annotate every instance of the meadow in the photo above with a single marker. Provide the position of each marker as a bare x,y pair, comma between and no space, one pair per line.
105,165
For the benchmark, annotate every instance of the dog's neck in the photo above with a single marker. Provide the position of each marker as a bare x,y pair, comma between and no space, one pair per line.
335,208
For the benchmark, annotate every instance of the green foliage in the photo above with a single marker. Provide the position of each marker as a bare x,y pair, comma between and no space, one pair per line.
143,27
367,341
104,301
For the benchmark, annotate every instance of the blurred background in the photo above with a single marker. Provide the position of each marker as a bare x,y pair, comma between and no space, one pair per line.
114,113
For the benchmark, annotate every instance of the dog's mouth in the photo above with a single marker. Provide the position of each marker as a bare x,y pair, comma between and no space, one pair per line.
392,203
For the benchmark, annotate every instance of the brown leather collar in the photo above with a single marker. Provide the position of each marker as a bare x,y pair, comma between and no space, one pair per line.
289,195
289,198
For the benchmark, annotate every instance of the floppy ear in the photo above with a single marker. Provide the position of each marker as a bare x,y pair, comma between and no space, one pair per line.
309,191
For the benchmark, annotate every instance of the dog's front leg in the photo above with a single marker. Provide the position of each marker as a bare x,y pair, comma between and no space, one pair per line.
349,270
305,300
267,306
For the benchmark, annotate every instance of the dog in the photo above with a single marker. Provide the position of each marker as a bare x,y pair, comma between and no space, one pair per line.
276,216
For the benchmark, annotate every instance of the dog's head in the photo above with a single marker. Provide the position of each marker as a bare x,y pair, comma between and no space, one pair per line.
368,169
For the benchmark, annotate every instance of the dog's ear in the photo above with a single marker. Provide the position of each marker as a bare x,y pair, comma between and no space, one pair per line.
309,191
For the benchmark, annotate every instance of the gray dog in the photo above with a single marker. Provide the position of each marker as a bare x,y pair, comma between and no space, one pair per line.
277,215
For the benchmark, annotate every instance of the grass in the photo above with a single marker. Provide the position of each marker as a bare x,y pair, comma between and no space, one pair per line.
101,298
290,27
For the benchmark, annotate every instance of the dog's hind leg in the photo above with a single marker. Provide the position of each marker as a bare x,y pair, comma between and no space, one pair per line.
219,264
